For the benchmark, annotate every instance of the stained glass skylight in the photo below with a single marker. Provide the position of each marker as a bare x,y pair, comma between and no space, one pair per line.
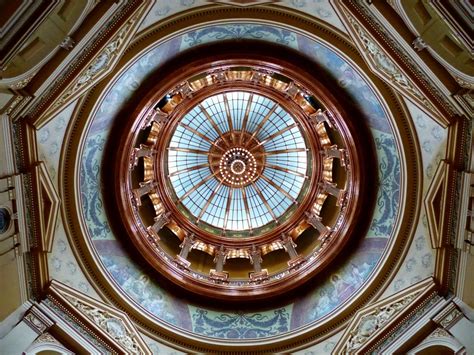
237,161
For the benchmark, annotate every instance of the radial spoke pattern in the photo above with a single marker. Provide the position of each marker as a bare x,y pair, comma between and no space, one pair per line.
201,157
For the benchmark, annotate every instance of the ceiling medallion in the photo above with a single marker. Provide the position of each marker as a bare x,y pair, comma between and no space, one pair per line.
238,167
231,169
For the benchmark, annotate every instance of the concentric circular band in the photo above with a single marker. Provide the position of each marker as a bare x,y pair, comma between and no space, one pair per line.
237,162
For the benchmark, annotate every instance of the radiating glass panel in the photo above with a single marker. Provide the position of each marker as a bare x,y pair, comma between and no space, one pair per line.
220,204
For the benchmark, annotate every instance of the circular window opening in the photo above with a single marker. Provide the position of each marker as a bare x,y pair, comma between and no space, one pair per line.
5,219
237,161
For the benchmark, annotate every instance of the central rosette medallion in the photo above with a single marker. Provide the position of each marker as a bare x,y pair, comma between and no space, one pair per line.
237,161
238,164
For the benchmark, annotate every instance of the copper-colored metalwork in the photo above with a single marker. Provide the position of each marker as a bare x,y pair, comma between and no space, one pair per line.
237,166
237,159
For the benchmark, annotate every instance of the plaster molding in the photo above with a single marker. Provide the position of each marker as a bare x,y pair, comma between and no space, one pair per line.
436,197
445,105
6,129
449,316
375,319
82,56
385,67
113,323
461,77
96,69
48,205
37,320
439,337
47,343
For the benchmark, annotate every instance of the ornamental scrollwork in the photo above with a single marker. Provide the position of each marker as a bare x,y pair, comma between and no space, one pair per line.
374,321
114,326
387,66
452,317
99,65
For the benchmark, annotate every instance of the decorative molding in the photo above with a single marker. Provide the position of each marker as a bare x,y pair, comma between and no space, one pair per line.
98,68
409,207
449,316
440,333
22,83
37,320
443,106
75,328
419,44
113,323
388,69
439,337
308,96
373,320
436,201
114,326
66,87
46,342
47,205
46,338
467,84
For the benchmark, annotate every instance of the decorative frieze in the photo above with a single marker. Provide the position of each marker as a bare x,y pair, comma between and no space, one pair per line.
440,333
114,326
102,62
374,321
386,66
37,320
46,338
449,316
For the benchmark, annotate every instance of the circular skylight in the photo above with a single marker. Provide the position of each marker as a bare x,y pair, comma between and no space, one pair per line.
237,161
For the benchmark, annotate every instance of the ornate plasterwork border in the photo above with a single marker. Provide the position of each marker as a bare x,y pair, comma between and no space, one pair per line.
372,322
106,321
410,207
43,107
96,69
389,69
442,102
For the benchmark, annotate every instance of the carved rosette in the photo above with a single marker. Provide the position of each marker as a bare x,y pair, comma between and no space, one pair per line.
237,160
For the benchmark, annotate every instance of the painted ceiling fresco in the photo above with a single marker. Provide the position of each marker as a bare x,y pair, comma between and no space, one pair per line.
326,295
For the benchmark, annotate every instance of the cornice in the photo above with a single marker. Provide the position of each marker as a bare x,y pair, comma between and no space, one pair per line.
36,112
395,63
